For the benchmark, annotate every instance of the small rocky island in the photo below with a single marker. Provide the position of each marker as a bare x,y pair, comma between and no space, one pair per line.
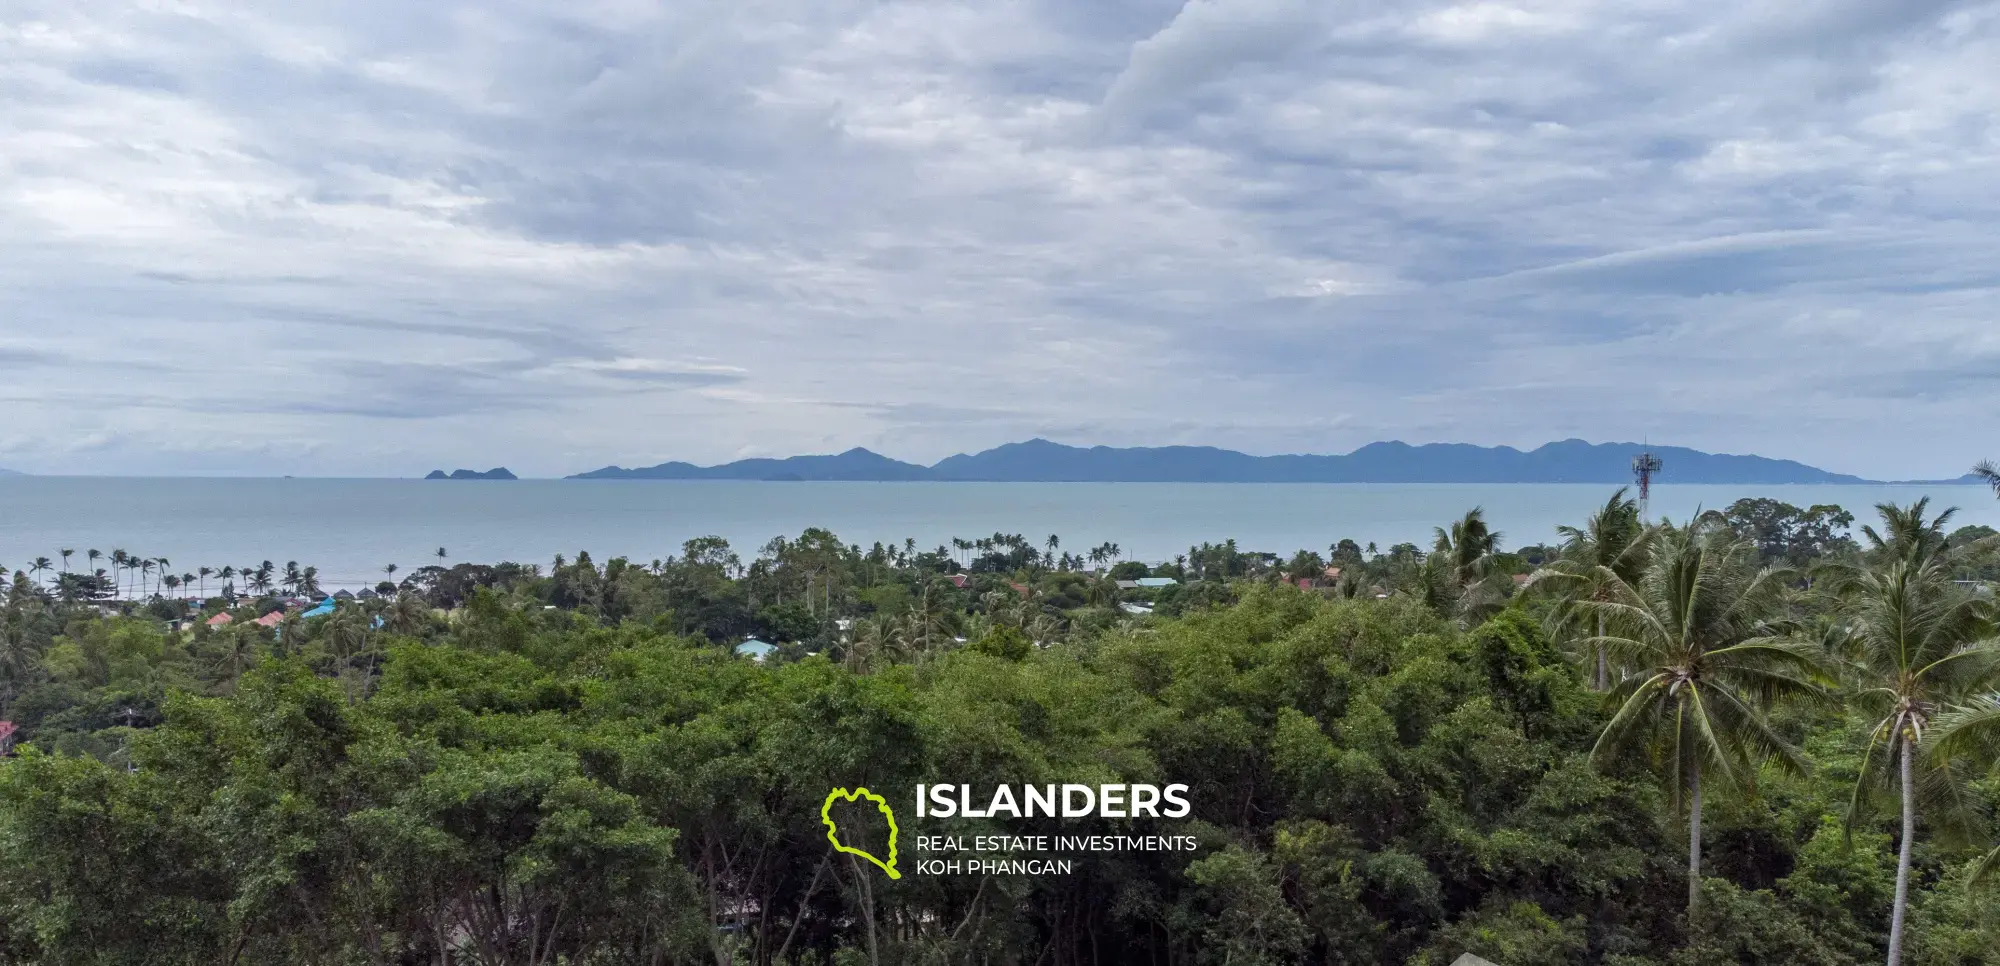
496,473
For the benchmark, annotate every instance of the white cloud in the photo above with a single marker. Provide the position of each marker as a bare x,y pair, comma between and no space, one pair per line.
375,237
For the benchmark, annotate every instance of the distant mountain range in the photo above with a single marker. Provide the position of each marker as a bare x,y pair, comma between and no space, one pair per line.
1041,461
496,473
7,472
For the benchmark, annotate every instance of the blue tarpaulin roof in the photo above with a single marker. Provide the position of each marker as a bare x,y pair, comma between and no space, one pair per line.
325,607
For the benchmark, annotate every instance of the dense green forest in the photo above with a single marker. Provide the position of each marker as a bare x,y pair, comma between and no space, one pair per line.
1765,735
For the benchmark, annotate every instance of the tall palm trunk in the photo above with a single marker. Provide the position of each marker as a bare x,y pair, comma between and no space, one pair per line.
1694,840
1903,857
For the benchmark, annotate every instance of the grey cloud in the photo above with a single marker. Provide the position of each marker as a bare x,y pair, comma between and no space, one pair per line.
576,232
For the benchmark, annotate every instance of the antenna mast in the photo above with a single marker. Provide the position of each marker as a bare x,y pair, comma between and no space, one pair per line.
1644,466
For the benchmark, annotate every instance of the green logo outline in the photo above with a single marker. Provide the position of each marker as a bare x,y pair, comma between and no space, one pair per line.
833,832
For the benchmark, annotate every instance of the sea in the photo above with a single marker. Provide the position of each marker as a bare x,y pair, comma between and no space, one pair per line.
351,529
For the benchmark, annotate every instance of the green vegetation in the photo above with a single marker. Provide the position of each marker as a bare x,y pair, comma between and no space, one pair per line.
1745,738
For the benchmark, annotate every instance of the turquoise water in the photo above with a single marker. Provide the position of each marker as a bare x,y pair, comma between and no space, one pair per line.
350,528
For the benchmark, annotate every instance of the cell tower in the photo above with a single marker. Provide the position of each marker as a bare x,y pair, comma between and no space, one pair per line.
1644,466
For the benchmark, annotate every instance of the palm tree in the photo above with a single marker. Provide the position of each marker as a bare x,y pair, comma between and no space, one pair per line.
441,555
202,573
40,564
1990,473
1906,534
145,572
389,571
1610,547
1972,730
874,639
92,555
407,614
240,650
1468,547
172,581
1459,572
1915,643
66,554
1708,665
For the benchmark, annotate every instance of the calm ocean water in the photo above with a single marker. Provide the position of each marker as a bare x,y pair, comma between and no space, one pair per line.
349,529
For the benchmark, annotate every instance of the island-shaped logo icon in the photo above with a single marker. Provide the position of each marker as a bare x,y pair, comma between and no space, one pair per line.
833,831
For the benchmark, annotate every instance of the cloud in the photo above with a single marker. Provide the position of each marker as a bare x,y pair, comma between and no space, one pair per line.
373,237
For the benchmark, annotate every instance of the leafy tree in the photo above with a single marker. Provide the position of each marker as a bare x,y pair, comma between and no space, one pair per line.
1785,534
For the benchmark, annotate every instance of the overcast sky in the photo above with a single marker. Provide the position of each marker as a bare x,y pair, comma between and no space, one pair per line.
372,237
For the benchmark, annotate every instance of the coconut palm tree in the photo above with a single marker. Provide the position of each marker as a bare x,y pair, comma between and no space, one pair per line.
1708,667
202,574
1906,534
1609,548
241,648
1990,473
875,639
1915,644
407,614
1468,547
1459,575
41,564
1972,730
66,553
92,556
441,555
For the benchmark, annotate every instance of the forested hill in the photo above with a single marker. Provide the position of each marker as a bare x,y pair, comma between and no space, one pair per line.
1039,460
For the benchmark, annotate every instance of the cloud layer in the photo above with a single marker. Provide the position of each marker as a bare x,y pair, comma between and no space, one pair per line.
371,237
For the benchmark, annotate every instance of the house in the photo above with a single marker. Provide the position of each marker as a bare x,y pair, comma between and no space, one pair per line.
755,649
271,619
1127,584
1132,608
343,595
1022,589
959,580
1156,582
1331,573
325,607
220,620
